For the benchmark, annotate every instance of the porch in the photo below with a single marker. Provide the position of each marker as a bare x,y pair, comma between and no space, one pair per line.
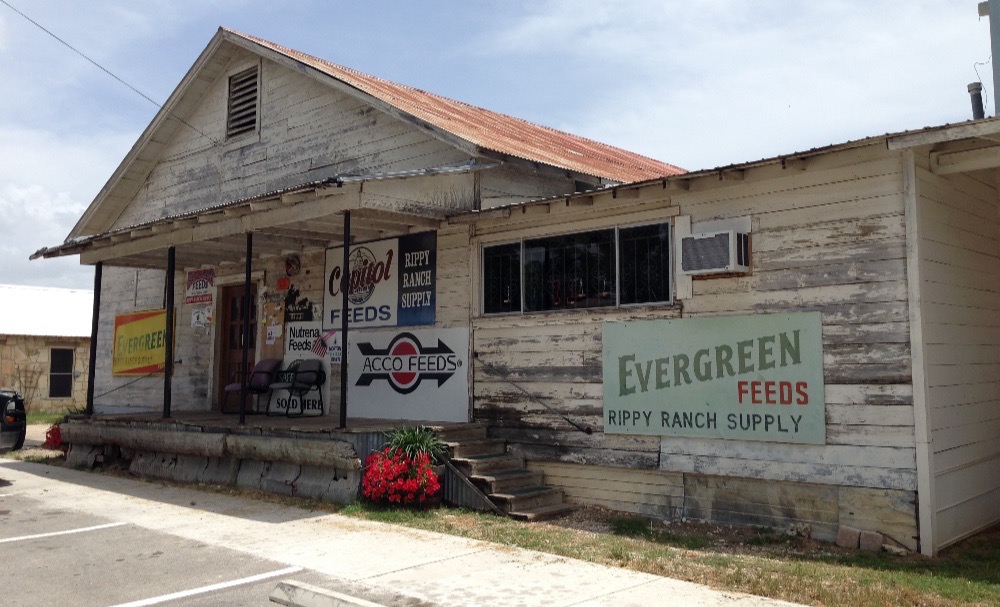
303,456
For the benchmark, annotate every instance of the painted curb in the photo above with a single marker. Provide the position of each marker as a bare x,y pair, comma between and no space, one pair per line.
297,594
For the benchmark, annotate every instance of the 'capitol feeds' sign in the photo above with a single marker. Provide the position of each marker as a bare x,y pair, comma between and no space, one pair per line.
390,283
756,377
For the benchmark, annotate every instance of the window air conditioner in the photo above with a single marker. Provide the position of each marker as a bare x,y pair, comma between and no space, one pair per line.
725,252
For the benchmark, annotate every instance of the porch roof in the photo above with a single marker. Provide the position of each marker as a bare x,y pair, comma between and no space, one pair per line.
285,221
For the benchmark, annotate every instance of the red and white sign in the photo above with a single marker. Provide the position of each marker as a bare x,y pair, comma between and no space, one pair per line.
200,286
410,375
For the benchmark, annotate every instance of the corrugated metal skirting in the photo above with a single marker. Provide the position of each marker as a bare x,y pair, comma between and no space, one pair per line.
458,490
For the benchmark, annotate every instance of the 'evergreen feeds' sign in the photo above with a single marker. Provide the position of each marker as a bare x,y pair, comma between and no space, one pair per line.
756,377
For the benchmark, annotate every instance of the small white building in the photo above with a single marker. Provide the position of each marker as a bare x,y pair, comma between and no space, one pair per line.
45,345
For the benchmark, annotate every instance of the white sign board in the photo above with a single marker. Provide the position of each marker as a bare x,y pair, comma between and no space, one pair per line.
409,375
304,341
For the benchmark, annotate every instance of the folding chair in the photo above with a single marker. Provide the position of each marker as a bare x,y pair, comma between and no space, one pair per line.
258,383
306,376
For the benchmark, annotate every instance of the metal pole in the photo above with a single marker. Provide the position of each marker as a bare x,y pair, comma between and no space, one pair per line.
247,311
994,8
346,284
168,356
91,371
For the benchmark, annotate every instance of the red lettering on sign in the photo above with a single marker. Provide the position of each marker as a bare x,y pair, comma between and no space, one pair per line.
772,392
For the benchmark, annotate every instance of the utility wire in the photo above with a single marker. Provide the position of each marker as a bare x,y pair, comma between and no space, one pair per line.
102,68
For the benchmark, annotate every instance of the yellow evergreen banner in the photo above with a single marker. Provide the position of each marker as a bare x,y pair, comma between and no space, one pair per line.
140,343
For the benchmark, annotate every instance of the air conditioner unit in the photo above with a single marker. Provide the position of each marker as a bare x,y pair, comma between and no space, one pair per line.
725,252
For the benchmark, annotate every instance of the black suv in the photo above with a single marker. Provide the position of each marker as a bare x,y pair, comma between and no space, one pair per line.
12,421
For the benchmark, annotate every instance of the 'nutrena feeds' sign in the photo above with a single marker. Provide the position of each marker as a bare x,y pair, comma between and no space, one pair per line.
754,377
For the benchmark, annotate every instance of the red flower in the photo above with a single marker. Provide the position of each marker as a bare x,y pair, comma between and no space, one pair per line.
392,477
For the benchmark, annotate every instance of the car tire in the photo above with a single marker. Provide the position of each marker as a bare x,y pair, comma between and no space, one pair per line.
20,440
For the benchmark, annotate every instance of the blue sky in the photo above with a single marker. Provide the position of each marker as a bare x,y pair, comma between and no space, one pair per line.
697,83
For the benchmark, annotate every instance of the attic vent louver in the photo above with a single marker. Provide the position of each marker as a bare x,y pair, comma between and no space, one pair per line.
242,103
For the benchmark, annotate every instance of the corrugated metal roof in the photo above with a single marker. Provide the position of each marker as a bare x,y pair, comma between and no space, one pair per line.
45,311
491,130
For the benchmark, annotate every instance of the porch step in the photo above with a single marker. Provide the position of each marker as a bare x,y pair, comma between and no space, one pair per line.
482,465
482,446
542,513
501,476
461,432
523,500
505,481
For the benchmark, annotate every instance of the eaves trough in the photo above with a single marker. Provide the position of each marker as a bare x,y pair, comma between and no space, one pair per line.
284,221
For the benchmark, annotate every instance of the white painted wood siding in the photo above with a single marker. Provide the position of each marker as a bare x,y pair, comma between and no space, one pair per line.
307,131
960,293
829,238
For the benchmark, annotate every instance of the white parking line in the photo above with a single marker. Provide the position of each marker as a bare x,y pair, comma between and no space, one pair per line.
220,586
55,533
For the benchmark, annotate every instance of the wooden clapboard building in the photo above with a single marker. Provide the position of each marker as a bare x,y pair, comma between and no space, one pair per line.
806,340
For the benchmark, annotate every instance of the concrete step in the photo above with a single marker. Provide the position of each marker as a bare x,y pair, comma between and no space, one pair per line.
505,481
527,499
454,433
484,446
542,513
483,465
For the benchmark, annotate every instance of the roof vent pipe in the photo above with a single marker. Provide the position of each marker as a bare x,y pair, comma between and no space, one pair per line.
976,92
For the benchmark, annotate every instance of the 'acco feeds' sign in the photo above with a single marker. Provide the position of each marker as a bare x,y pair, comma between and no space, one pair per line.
756,377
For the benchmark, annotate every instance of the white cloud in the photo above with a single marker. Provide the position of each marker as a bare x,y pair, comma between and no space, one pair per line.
46,182
708,83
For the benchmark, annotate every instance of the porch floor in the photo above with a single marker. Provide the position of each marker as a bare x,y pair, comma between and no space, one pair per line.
325,424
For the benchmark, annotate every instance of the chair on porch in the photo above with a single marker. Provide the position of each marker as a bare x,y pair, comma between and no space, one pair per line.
304,377
258,383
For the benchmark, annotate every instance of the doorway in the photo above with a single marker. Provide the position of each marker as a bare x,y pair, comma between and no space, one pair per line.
233,310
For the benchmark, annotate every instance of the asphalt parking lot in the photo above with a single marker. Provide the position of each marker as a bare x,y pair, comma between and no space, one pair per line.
70,537
54,556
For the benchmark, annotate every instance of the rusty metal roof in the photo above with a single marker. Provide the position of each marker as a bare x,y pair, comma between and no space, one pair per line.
490,130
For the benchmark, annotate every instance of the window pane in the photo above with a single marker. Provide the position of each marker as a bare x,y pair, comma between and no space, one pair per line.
502,278
570,271
60,385
62,360
60,372
645,263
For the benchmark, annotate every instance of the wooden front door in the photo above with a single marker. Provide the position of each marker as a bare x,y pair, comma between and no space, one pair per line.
232,306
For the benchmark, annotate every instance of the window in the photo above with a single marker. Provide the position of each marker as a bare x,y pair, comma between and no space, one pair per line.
603,268
502,272
570,271
242,115
60,373
645,263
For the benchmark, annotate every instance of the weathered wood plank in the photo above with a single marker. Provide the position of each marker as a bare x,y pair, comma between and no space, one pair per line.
586,455
854,474
810,233
870,395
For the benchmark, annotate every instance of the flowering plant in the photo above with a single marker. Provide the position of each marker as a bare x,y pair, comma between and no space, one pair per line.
393,477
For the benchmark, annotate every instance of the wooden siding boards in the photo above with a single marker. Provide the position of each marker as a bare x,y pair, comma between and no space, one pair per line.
959,278
831,238
307,131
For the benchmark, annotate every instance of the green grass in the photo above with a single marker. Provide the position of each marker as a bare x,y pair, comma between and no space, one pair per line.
43,417
758,561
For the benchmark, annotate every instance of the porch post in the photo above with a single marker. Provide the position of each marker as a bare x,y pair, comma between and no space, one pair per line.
343,319
168,363
247,310
91,370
